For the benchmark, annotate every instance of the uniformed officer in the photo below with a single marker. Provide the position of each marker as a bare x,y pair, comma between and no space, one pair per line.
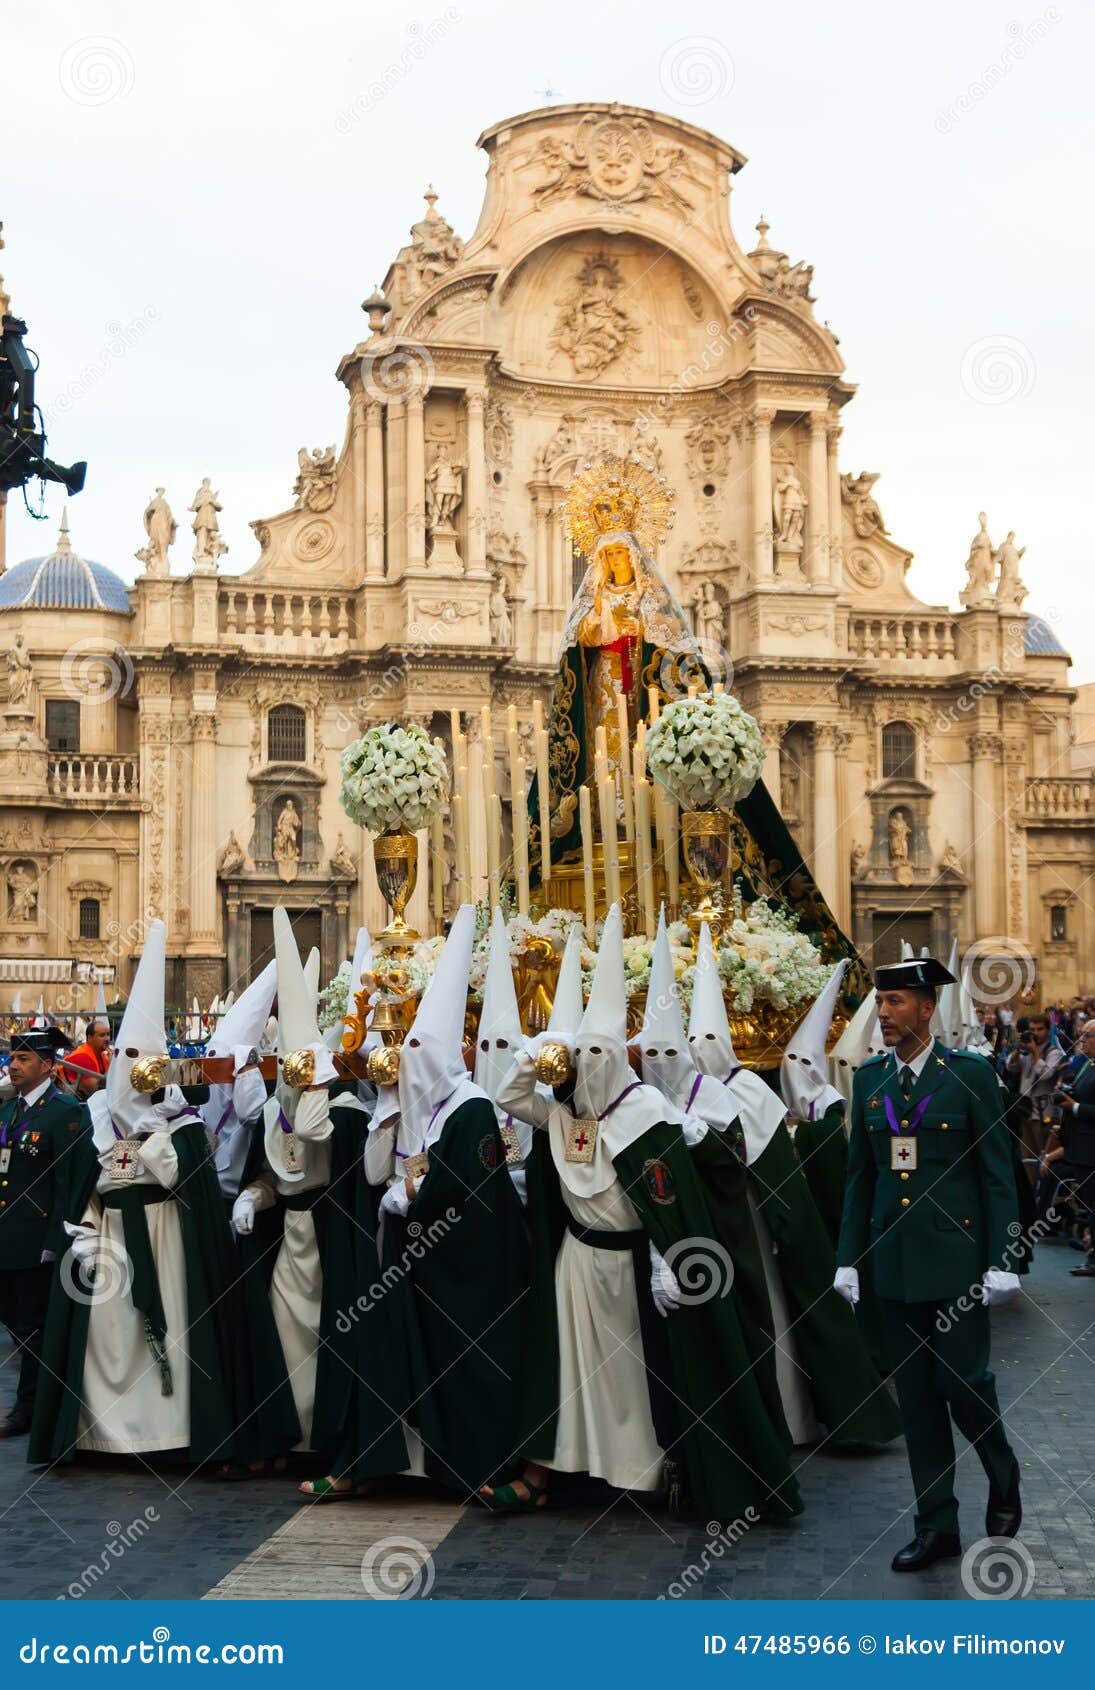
931,1196
39,1128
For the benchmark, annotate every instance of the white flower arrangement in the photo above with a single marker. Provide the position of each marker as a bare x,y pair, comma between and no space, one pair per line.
707,751
334,998
763,958
393,778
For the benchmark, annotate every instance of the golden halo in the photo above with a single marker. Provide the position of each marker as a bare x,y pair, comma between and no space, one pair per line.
618,493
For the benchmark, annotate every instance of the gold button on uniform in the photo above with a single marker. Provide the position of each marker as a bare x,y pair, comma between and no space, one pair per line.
904,1176
904,1202
943,1125
904,1123
965,1223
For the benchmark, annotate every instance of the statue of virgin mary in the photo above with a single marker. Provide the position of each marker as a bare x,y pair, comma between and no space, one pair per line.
627,635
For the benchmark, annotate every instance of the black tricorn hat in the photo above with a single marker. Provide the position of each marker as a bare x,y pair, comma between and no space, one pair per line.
907,976
41,1041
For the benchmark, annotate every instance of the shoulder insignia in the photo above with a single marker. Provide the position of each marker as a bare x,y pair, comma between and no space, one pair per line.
489,1153
659,1181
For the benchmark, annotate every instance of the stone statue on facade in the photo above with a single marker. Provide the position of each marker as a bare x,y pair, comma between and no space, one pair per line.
286,849
1010,589
342,864
22,894
980,568
898,837
866,515
208,545
949,861
501,617
859,857
232,857
708,614
161,528
20,676
593,328
444,490
789,508
314,487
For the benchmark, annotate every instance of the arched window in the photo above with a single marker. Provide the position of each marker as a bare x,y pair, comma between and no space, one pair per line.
285,734
898,750
89,918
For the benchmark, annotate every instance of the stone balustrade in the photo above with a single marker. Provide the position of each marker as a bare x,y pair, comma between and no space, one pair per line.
913,637
264,619
94,779
1060,798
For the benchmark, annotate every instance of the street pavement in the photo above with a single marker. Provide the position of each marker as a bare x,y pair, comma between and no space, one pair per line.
112,1529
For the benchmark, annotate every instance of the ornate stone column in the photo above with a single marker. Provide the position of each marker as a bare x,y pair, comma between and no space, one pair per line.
762,494
842,909
358,461
826,864
772,735
986,750
475,545
397,486
477,814
817,510
416,481
202,872
833,433
374,491
1016,920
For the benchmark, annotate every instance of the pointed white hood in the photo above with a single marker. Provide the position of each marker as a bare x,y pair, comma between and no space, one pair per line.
140,1034
243,1022
708,1025
804,1071
973,1032
500,1034
666,1053
861,1038
949,1006
433,1081
566,1006
99,1012
907,952
600,1046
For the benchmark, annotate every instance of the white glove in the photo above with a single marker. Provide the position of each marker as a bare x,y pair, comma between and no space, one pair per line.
248,1089
534,1045
395,1200
998,1287
243,1214
847,1283
85,1242
694,1130
663,1284
312,1117
517,1175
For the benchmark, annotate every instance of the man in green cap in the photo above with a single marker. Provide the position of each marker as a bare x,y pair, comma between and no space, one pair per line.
931,1197
39,1126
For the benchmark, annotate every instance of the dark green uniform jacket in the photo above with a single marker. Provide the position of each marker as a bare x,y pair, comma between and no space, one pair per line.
211,1334
931,1232
708,1407
44,1142
822,1149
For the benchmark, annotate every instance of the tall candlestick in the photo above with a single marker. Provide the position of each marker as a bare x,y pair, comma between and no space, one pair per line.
437,869
488,755
652,704
626,791
543,793
672,853
610,840
600,741
586,817
640,745
520,838
494,847
463,848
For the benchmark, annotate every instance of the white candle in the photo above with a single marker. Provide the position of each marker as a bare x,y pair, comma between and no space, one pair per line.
672,853
610,840
625,767
543,789
494,846
645,864
652,704
488,756
437,869
520,838
586,815
463,854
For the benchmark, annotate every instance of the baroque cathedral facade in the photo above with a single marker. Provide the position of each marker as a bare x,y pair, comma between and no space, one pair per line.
171,749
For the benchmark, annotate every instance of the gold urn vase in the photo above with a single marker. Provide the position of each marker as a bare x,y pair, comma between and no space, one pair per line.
705,842
396,858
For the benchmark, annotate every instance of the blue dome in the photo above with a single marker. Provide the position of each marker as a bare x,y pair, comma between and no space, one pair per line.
63,581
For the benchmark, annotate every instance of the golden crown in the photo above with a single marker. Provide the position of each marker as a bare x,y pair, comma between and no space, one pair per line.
618,493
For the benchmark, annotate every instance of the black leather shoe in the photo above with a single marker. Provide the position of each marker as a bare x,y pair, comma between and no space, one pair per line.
1085,1272
926,1547
15,1426
1004,1514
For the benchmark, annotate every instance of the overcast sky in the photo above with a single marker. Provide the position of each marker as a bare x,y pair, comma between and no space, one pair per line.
197,198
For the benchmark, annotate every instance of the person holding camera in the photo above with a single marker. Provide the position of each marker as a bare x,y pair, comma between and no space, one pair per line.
1032,1070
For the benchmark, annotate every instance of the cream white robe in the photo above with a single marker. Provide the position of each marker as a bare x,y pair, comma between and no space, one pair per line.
123,1410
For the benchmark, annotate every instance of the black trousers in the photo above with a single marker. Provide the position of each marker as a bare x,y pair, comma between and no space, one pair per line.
24,1295
940,1360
